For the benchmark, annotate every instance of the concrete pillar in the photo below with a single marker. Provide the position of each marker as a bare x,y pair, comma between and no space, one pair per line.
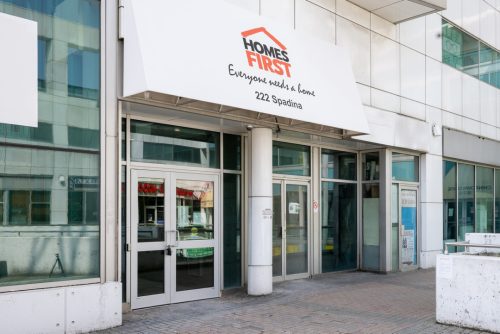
260,231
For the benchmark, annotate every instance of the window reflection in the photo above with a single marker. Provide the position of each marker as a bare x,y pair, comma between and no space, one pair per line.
195,210
151,201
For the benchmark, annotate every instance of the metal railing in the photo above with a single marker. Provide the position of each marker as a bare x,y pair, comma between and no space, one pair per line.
467,244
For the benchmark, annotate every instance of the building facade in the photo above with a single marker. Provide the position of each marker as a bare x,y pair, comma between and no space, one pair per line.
150,180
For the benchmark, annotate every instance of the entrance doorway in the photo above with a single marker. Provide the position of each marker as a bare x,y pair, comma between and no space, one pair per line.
404,227
290,229
174,237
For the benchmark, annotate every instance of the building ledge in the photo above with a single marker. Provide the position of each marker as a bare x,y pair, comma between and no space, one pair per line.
397,11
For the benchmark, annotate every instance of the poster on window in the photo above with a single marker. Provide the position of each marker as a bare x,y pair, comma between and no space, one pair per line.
409,227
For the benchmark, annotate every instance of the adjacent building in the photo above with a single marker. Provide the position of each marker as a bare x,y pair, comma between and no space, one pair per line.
188,147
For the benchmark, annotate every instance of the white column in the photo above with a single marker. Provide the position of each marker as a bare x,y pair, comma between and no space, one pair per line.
260,231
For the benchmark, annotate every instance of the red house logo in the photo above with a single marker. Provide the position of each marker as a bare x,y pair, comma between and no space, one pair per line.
272,59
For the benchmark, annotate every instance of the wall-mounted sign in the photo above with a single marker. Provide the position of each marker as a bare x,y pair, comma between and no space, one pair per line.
216,52
18,71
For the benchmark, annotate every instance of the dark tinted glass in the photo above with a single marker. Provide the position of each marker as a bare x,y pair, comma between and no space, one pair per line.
291,159
338,165
232,152
232,230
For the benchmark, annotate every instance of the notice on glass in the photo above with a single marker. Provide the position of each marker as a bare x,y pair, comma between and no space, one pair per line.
444,267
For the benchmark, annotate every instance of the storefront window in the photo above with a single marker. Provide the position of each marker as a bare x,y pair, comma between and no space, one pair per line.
338,226
232,230
404,167
465,200
291,159
49,186
484,200
497,200
160,143
449,201
371,166
232,152
371,226
338,165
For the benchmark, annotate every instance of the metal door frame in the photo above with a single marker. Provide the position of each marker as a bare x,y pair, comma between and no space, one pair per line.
283,182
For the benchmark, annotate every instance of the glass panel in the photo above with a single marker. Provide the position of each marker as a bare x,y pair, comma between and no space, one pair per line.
150,273
484,200
404,167
489,67
124,139
338,165
151,201
37,176
232,230
296,229
409,227
160,143
497,200
277,231
195,210
450,201
395,227
465,200
195,268
371,232
460,50
339,226
371,166
232,152
291,159
83,200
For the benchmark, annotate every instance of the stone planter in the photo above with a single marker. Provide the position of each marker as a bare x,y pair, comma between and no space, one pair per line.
468,286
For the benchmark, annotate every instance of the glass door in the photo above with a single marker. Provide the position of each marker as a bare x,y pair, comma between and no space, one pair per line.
195,252
290,230
408,200
150,279
174,237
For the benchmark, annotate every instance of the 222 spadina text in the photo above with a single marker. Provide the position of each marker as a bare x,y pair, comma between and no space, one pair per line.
276,100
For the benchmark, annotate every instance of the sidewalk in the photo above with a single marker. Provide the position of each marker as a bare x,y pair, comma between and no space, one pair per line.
353,302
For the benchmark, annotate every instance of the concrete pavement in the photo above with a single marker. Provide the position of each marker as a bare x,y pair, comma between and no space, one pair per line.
351,302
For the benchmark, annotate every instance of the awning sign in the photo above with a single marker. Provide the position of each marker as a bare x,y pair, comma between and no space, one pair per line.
216,52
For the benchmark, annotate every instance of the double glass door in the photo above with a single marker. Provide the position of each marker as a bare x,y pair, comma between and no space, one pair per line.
174,237
404,227
290,229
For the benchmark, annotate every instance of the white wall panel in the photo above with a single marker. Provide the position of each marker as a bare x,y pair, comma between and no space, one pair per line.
413,109
281,11
488,103
488,131
411,34
470,97
327,4
487,23
452,121
432,82
384,27
412,74
385,64
452,89
252,5
434,116
471,126
453,11
433,42
315,20
354,13
470,16
364,94
385,101
497,29
431,180
356,40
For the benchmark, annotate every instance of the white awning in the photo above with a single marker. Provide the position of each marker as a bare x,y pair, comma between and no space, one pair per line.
215,52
